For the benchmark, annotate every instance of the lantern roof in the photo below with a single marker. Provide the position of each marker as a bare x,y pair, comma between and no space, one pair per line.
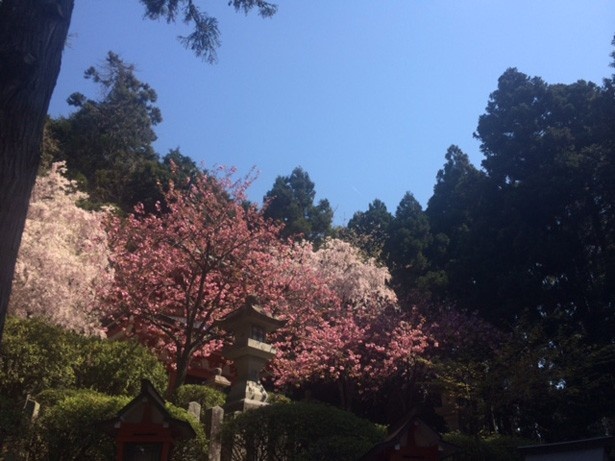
251,312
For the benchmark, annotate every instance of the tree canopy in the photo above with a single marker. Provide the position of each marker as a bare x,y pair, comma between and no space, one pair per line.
178,272
291,202
108,143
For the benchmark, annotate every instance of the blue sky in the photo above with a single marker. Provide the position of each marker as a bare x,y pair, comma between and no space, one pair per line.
366,96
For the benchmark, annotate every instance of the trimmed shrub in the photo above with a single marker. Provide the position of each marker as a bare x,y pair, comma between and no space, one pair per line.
12,420
207,397
68,430
301,432
35,356
274,397
117,367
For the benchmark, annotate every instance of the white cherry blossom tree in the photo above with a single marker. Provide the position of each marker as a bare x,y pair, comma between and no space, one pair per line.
63,259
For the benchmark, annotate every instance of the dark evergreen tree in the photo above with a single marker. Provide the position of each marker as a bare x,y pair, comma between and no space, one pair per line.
450,207
536,251
550,155
453,213
409,239
108,142
370,228
291,201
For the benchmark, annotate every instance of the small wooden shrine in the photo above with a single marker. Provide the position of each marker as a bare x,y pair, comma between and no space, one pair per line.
144,430
411,439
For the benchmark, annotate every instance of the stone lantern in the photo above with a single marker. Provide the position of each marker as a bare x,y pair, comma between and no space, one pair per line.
250,352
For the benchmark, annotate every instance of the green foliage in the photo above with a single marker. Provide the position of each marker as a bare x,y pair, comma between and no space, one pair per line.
274,397
11,419
205,37
189,450
291,202
117,367
371,228
207,397
530,246
109,142
36,356
69,429
301,432
493,447
51,397
406,248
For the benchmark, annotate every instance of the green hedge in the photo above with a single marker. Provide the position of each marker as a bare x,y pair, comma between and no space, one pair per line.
35,356
189,450
68,429
301,432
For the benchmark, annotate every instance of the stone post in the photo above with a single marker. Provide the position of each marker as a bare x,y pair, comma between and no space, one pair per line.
194,408
214,418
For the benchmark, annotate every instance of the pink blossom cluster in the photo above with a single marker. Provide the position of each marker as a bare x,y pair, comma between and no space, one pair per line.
180,270
354,334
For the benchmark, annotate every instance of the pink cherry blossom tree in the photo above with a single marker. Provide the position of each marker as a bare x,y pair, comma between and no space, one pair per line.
356,336
182,269
63,258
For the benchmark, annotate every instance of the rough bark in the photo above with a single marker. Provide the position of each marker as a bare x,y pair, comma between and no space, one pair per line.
32,36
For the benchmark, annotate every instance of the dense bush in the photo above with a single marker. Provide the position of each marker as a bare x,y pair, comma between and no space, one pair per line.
68,428
117,367
207,397
36,356
12,420
51,364
189,450
301,432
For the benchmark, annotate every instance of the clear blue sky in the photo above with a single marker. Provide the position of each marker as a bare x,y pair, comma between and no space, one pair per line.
366,96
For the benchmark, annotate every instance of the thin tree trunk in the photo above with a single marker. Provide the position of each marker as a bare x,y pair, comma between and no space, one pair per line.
183,362
32,36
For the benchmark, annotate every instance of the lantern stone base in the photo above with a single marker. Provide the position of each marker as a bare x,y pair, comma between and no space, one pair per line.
245,395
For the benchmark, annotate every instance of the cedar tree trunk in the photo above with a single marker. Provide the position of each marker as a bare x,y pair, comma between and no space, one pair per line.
32,36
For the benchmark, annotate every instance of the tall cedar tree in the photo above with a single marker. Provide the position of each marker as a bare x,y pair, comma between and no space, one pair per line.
108,142
291,202
531,248
370,228
32,36
406,247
